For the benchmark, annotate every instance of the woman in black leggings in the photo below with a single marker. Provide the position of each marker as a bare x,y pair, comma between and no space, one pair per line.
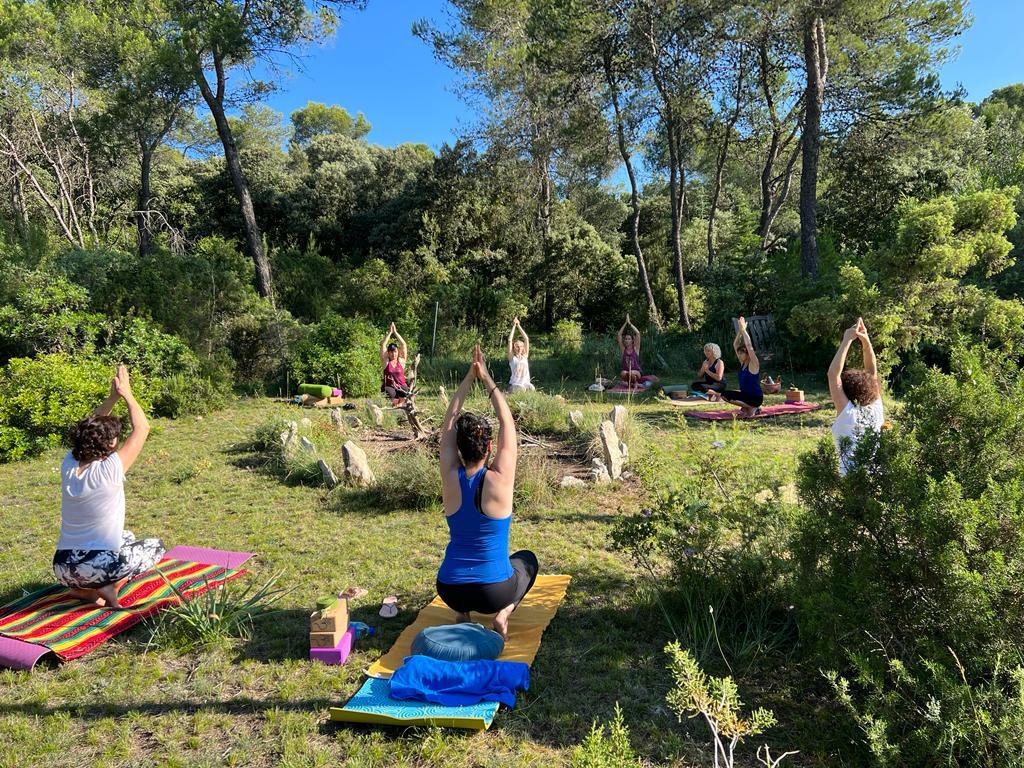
477,573
750,395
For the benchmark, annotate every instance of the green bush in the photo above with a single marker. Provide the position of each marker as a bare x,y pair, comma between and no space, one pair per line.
343,352
606,751
567,339
40,398
187,395
918,554
48,314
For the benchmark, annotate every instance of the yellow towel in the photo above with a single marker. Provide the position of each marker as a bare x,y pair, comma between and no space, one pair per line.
527,624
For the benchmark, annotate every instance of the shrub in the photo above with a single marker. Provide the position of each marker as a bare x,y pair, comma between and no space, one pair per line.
567,338
410,480
611,751
539,414
40,398
49,314
142,346
917,554
187,395
258,340
341,351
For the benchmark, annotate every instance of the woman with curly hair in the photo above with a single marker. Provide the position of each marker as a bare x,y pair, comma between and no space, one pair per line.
477,573
95,554
856,395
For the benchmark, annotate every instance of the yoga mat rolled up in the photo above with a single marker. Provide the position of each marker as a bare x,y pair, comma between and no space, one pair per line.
315,390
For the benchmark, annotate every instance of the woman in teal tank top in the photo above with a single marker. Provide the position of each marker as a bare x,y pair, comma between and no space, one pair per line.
477,573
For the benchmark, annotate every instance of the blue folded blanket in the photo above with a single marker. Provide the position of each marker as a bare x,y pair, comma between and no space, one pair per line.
454,683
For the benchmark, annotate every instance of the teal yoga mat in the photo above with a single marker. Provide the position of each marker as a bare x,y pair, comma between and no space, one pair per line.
373,705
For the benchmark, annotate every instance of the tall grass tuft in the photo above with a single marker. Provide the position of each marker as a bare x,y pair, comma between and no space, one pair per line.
222,613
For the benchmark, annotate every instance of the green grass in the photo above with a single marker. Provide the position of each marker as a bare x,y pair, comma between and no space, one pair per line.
260,702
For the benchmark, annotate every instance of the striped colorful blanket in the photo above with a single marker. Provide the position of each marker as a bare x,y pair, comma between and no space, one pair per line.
71,628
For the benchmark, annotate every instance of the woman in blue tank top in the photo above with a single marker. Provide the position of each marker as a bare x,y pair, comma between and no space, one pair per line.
477,573
750,395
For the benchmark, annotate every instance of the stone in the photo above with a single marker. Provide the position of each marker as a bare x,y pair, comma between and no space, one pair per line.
576,419
443,394
571,482
330,479
357,466
763,497
599,472
613,458
307,445
306,423
624,450
353,421
561,399
336,418
290,438
617,416
377,413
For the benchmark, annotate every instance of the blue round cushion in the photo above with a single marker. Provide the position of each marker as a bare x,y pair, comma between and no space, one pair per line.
458,642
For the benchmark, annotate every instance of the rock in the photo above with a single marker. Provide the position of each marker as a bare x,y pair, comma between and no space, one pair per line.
571,482
576,419
624,450
306,423
307,445
443,394
617,416
613,458
353,421
357,467
337,418
330,479
627,476
599,472
377,413
561,399
763,497
289,438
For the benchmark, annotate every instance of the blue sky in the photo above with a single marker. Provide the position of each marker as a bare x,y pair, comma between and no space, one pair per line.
376,66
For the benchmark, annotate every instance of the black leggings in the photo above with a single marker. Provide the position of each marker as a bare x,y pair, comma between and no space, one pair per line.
750,398
395,393
491,598
703,386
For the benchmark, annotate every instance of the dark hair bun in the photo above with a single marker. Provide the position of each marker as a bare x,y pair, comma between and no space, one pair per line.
92,439
472,435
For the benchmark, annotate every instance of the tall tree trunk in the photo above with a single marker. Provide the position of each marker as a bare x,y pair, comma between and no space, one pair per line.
544,227
144,199
816,64
775,187
253,238
676,192
18,205
723,155
634,195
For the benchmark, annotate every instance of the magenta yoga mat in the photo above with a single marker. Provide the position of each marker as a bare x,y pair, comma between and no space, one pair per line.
17,654
223,557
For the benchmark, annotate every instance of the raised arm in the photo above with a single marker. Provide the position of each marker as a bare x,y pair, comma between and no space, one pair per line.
867,349
753,364
511,338
636,335
403,348
507,453
449,448
526,339
132,447
835,370
622,346
104,408
384,346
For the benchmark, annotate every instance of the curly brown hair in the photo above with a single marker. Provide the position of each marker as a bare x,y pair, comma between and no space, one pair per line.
472,435
860,386
93,437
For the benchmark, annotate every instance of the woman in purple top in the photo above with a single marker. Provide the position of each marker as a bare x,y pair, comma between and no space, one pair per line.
393,357
629,346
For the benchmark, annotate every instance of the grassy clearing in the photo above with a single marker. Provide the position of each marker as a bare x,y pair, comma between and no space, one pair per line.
259,702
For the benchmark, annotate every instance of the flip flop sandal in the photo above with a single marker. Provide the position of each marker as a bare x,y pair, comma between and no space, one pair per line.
389,607
353,593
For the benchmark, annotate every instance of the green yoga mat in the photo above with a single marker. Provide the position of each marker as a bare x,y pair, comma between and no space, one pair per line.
316,390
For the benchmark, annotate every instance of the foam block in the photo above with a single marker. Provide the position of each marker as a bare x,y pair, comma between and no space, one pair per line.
337,655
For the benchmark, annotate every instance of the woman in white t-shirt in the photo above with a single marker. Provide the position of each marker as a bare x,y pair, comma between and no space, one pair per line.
519,360
95,554
856,395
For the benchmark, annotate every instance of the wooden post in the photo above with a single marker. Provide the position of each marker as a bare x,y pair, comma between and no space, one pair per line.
433,339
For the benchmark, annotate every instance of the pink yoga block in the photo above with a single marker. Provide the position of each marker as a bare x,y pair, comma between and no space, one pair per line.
338,654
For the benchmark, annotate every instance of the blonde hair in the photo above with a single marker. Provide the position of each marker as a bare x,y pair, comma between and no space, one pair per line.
715,349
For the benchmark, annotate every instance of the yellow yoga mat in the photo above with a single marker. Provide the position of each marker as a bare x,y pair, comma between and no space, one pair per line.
525,627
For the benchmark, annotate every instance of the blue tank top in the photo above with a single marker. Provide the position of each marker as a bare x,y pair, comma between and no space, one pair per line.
477,552
749,383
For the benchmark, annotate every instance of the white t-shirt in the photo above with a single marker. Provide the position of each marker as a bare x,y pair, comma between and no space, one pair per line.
520,371
850,425
92,504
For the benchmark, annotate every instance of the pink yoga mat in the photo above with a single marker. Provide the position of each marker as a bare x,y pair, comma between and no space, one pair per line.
767,411
223,557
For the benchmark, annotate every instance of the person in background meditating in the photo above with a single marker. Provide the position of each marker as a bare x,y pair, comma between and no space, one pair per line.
477,574
519,360
856,394
629,346
393,357
95,554
750,395
711,376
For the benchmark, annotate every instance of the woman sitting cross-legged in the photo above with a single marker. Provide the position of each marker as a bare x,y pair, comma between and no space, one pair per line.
711,376
393,356
629,346
95,554
750,395
856,395
519,360
477,574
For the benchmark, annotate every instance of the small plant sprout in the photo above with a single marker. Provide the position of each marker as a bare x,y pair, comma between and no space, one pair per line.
717,700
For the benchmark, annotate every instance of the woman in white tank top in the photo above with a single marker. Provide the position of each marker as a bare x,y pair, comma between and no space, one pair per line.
519,360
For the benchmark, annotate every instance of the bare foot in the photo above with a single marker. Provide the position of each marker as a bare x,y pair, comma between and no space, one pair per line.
461,618
109,594
747,412
501,621
87,595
